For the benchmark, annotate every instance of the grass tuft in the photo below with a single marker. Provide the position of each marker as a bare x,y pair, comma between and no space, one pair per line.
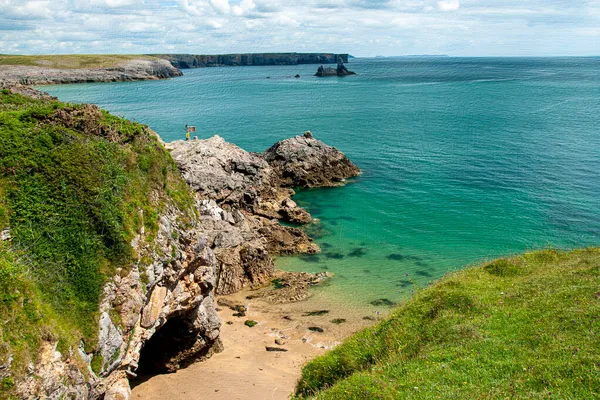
525,327
76,186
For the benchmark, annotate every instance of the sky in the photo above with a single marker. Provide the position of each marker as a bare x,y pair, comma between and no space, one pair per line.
362,28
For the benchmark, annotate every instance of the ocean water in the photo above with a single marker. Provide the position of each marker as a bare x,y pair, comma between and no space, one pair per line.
463,159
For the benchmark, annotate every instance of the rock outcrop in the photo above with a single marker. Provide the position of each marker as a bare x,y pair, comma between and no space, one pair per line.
235,179
138,309
159,314
131,70
307,162
341,70
245,194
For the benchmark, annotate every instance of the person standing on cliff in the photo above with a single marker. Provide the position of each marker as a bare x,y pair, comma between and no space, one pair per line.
187,132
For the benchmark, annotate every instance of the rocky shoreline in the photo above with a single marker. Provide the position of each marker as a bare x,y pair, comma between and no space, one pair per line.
160,315
244,195
41,71
131,70
184,61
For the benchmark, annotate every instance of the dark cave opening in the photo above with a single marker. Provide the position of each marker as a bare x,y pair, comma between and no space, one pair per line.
167,349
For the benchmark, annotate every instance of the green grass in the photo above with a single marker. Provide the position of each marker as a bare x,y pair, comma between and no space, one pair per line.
70,61
76,186
525,327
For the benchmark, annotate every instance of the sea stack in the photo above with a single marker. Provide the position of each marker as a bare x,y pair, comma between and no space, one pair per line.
341,70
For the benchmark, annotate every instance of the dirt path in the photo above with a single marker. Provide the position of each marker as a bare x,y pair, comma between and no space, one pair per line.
245,370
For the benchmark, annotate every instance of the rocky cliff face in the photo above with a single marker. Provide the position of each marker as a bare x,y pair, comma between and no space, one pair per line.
132,70
154,311
248,193
184,61
158,314
158,317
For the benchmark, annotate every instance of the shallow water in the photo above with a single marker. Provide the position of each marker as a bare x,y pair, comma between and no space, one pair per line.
463,159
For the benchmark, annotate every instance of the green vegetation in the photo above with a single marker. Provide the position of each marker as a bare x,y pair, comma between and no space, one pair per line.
250,323
75,61
520,328
76,186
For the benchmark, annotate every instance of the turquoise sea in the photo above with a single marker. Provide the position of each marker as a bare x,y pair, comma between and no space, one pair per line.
463,159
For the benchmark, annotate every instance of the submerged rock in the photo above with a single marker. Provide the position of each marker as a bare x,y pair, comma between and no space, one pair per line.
383,302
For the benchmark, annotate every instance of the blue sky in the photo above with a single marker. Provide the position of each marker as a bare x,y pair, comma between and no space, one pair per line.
359,27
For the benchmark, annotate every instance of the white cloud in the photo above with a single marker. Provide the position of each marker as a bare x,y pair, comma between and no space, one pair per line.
222,6
244,7
360,27
114,3
449,5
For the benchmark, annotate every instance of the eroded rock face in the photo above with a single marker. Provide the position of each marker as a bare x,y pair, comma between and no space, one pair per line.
235,179
160,314
242,195
341,70
243,244
136,308
132,70
307,162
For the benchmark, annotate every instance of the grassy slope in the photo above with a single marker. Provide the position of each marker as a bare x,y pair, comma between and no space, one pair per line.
72,183
522,327
70,61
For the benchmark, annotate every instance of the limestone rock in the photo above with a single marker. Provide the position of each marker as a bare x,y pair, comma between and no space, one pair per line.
307,162
153,307
120,390
242,195
131,70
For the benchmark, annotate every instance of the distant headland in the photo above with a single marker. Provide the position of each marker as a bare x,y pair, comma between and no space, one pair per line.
79,68
184,61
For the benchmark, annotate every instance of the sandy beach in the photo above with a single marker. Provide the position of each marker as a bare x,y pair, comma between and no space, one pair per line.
245,370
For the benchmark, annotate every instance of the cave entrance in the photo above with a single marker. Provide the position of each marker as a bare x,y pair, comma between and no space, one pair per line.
167,350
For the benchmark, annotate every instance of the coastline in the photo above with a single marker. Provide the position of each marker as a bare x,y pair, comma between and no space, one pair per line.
67,69
245,369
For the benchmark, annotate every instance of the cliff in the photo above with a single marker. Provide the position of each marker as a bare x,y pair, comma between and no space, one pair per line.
183,61
57,69
109,260
39,70
251,192
101,269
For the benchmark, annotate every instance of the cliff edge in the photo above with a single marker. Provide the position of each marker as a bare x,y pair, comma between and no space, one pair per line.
252,192
109,259
40,70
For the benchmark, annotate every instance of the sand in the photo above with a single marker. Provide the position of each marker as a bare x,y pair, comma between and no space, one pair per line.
245,370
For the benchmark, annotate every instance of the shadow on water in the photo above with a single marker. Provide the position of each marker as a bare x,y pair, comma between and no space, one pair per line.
335,256
402,257
311,258
358,252
404,283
